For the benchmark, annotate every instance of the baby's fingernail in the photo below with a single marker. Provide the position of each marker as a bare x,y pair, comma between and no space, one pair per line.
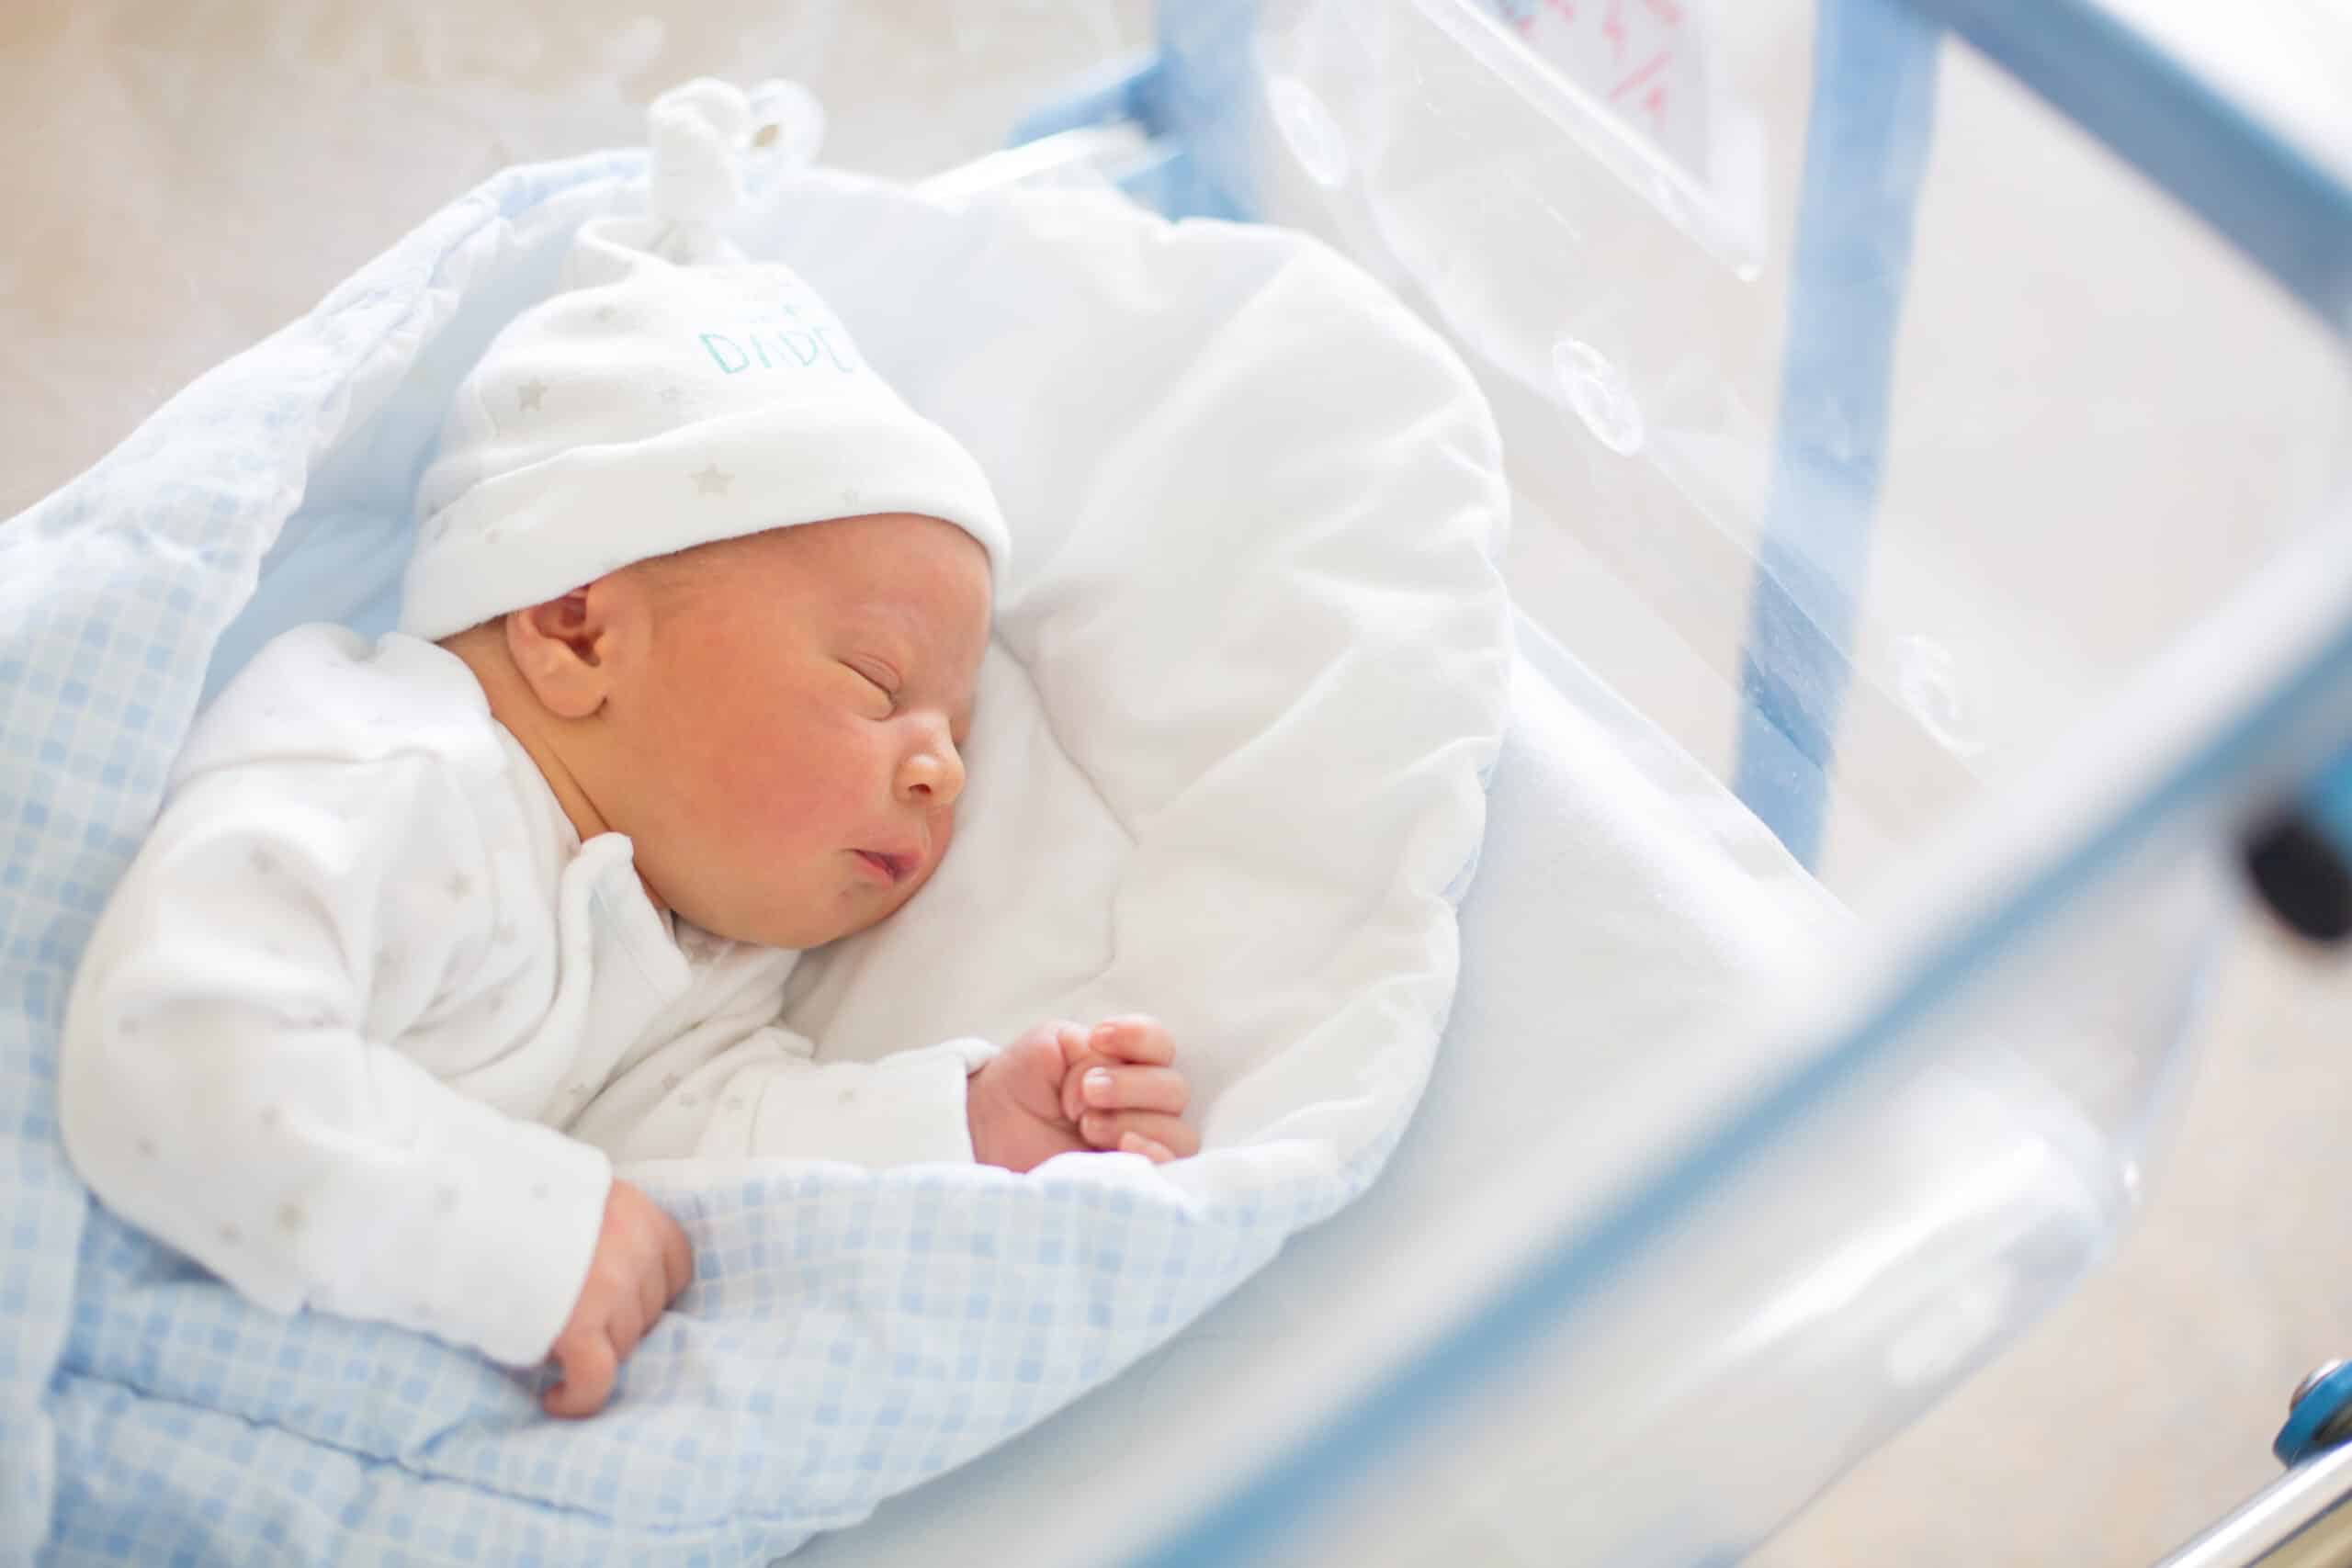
1098,1086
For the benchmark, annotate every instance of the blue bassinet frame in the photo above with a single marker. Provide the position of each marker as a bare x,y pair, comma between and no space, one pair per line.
1870,130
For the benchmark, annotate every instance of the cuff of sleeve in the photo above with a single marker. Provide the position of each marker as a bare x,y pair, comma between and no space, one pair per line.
521,1207
911,1109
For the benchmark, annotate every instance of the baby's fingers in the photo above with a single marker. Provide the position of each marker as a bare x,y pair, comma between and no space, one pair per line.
677,1264
652,1296
1135,1088
588,1364
1068,1037
1137,1037
1111,1130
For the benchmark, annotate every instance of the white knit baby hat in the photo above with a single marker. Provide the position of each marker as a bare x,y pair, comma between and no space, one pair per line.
670,394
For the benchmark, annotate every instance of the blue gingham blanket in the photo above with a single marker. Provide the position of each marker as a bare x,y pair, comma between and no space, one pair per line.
849,1333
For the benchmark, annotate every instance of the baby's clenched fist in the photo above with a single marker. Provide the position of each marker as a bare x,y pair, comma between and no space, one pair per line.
643,1263
1062,1088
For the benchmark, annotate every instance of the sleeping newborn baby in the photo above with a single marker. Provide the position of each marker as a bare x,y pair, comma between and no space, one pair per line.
431,934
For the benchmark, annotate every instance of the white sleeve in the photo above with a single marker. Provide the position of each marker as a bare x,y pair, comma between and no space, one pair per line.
767,1097
227,1082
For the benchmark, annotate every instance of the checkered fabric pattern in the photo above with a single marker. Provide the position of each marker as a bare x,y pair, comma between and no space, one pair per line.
850,1333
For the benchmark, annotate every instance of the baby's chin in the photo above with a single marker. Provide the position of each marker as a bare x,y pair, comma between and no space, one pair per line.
865,916
800,929
775,912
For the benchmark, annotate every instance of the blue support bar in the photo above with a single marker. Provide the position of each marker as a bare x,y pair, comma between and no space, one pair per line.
1118,91
2277,731
1872,106
1873,102
1196,98
2262,193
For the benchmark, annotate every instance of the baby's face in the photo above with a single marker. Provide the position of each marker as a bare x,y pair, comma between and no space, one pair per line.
800,754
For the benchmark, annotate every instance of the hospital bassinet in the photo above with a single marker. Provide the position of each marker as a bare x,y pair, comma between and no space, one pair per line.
1847,357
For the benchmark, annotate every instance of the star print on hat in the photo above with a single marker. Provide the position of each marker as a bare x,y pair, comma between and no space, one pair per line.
670,394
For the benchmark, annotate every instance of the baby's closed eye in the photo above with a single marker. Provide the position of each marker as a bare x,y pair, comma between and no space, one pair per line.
876,683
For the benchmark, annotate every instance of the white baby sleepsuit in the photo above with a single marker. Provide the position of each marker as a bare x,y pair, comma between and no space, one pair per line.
365,1025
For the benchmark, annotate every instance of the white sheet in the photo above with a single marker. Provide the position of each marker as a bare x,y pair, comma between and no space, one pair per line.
1624,896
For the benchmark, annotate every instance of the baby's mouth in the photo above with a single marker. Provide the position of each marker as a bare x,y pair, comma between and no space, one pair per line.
893,867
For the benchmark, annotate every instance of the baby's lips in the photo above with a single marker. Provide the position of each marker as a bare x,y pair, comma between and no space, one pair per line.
898,863
904,858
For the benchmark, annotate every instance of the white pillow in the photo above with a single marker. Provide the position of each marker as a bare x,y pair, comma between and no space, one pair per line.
1252,651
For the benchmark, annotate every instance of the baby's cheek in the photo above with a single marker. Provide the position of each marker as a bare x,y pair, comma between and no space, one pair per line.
754,816
775,767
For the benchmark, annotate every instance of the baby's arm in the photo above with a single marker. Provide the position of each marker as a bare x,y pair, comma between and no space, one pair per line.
730,1087
746,1089
226,1084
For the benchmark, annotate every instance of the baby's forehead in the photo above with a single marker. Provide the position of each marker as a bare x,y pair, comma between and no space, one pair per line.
891,560
913,581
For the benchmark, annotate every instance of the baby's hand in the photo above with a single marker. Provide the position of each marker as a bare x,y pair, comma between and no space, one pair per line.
642,1261
1032,1101
1123,1091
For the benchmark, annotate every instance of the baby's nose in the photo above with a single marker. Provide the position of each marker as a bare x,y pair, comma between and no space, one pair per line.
933,775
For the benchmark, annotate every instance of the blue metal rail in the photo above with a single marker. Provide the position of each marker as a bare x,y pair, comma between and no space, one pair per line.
1867,143
1195,96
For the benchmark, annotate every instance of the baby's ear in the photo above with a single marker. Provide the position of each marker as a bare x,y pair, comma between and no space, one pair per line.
567,649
